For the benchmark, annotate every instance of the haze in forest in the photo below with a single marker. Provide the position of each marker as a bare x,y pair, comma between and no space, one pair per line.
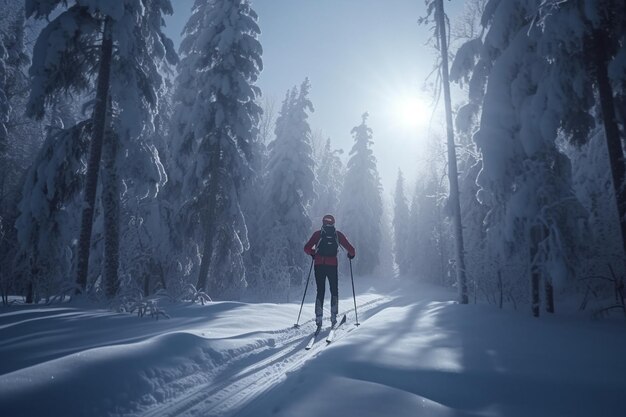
360,55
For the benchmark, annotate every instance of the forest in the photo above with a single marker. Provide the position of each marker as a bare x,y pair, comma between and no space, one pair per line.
130,169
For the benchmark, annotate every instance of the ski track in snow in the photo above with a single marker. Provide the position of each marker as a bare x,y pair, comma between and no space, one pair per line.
235,385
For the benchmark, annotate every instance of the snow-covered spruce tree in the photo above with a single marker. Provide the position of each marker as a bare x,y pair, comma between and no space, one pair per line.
5,107
137,161
153,257
215,120
467,31
329,174
49,205
253,200
13,83
479,263
484,265
19,142
289,189
401,232
20,139
524,180
4,118
481,274
601,249
429,241
121,41
360,206
436,9
584,42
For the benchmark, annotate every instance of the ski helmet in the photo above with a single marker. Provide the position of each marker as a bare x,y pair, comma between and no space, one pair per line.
328,219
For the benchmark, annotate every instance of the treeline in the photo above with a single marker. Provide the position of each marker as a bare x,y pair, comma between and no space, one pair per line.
152,172
128,169
540,143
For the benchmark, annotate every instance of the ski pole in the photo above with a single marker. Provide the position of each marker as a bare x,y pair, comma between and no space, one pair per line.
305,288
354,295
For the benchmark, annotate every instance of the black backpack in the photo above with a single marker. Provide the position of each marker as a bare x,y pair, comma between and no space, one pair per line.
328,244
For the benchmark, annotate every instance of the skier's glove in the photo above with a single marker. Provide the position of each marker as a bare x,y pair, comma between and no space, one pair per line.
350,256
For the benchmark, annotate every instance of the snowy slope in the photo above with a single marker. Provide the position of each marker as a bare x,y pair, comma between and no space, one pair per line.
414,354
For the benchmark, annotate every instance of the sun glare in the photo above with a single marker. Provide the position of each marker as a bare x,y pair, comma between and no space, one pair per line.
411,112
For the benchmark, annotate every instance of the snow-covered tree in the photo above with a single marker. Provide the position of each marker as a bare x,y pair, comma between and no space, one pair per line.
5,107
48,209
289,189
123,43
525,180
430,241
584,43
62,60
153,256
360,206
253,208
600,250
215,120
401,231
19,138
329,174
435,8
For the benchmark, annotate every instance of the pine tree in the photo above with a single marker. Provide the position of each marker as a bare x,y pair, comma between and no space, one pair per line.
289,190
429,238
5,107
121,41
524,180
20,142
361,203
151,248
19,139
329,174
585,45
49,203
253,208
215,121
454,203
401,227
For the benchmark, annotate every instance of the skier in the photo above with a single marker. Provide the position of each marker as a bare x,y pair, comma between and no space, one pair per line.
323,247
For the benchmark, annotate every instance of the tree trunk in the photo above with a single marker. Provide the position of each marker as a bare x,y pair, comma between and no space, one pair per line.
146,285
111,211
611,130
206,257
452,164
162,276
549,297
501,289
209,219
95,152
30,293
536,236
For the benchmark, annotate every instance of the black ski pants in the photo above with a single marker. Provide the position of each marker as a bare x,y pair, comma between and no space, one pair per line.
321,273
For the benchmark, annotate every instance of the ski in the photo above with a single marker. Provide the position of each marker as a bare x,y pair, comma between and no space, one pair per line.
331,335
312,339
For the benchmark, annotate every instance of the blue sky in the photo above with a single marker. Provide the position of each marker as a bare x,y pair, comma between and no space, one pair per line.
360,55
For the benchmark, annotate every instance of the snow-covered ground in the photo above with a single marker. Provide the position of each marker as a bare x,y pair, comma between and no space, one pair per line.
416,353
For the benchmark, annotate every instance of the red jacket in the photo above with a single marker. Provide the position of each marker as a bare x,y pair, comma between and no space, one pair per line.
327,260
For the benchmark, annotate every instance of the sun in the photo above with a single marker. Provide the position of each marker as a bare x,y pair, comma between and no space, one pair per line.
411,112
